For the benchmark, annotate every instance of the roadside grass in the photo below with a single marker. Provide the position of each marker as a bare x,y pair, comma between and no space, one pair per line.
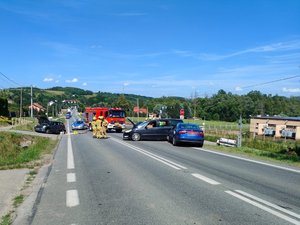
18,200
13,155
6,220
275,151
26,127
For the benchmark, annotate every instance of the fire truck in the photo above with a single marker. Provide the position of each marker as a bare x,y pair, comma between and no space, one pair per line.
114,116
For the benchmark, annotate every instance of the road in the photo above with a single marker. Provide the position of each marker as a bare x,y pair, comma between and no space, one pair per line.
113,181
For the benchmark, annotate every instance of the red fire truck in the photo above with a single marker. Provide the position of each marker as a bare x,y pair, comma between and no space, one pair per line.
114,116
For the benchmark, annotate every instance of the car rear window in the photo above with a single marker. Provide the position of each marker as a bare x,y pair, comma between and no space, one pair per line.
189,126
174,122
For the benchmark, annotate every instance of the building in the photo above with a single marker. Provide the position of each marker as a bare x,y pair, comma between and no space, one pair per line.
276,126
37,107
140,110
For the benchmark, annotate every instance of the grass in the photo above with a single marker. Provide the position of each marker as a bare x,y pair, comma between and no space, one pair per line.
279,152
18,200
6,220
12,155
53,92
26,127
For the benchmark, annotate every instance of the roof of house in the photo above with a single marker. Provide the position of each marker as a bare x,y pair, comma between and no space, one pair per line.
295,118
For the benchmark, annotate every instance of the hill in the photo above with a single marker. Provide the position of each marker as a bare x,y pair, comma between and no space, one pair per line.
221,106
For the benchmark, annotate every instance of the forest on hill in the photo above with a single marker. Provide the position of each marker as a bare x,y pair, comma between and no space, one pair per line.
223,106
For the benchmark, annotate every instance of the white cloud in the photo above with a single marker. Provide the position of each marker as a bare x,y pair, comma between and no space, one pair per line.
275,47
291,90
238,89
48,79
126,84
74,80
84,84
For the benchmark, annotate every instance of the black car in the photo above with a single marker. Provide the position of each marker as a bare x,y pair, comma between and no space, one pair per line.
50,127
151,130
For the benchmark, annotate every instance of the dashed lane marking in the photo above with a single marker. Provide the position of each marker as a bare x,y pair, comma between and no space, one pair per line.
72,198
206,179
71,177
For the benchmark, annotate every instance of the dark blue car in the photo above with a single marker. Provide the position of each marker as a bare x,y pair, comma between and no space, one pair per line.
186,133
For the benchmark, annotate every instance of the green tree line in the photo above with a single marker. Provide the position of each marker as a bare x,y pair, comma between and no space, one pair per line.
221,106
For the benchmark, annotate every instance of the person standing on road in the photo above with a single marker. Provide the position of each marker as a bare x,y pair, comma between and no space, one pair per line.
94,126
104,127
99,128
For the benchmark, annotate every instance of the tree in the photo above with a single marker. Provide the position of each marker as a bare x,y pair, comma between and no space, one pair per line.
124,104
4,107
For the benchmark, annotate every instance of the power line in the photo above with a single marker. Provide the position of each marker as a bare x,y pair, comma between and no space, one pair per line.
10,79
270,82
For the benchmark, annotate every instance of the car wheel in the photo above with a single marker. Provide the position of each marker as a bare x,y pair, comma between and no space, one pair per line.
136,137
174,142
200,145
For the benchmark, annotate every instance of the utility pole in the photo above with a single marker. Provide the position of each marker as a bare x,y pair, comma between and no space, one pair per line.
240,134
21,103
31,102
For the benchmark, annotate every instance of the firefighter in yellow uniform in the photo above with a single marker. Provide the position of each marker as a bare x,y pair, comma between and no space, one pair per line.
94,126
99,128
104,127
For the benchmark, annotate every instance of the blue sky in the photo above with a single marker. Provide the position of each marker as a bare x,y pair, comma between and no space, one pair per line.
152,47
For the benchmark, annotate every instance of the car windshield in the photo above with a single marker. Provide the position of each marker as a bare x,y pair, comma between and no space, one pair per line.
117,113
142,124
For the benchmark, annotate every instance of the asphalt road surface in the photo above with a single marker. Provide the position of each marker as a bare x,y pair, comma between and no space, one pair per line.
120,182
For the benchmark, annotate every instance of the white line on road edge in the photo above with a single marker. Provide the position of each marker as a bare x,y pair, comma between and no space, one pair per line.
249,160
70,151
70,155
269,204
151,155
278,214
72,198
71,177
206,179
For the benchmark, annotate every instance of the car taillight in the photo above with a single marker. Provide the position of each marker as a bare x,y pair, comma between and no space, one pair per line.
182,132
201,134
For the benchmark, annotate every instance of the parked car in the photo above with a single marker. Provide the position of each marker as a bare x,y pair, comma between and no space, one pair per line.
151,130
78,125
186,133
50,127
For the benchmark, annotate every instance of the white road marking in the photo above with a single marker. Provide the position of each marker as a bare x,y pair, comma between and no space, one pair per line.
72,198
206,179
151,155
70,162
269,204
71,177
249,160
278,214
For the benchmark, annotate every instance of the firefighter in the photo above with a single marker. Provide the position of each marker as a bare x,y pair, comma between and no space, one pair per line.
104,127
99,128
94,126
